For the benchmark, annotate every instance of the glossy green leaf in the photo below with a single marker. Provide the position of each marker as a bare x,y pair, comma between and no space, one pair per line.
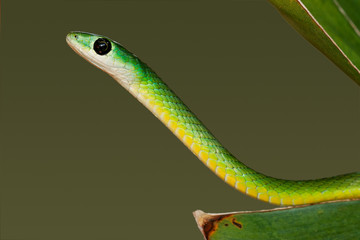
332,220
332,26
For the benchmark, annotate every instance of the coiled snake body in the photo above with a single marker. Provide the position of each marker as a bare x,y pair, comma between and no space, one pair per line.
150,90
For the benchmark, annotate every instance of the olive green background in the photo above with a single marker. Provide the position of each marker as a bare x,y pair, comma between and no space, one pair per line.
82,159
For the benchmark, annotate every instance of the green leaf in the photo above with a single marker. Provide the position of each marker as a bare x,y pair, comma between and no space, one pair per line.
331,220
332,26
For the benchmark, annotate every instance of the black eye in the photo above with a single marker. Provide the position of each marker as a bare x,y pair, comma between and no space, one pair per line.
102,46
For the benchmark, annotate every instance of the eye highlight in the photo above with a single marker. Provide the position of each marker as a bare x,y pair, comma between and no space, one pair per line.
102,46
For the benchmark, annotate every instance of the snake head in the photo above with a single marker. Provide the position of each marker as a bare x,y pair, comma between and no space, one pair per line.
107,55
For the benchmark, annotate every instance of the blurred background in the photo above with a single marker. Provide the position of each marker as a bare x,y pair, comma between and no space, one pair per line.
82,159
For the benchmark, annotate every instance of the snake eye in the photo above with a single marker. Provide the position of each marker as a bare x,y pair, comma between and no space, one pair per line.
102,46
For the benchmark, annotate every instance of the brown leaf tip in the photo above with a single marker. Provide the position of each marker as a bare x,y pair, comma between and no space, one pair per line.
207,223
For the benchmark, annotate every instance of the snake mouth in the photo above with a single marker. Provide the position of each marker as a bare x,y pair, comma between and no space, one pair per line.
72,45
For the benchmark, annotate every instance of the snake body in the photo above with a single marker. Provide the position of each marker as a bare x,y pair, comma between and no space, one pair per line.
146,86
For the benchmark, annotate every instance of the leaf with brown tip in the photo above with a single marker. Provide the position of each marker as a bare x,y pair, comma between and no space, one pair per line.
331,220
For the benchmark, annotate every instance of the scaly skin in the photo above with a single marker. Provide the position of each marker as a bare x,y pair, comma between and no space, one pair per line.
151,91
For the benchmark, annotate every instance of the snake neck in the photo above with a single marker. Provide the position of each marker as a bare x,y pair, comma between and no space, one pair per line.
176,116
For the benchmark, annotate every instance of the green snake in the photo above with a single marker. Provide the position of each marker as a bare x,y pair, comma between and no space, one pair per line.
147,87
